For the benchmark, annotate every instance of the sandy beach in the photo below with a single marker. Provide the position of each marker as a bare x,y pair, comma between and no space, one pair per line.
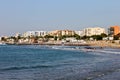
104,44
101,43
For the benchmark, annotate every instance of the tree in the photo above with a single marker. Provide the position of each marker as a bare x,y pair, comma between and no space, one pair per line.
116,37
97,37
85,37
77,36
55,38
103,35
3,39
14,38
47,37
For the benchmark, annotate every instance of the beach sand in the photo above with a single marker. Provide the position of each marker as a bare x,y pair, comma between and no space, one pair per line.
104,44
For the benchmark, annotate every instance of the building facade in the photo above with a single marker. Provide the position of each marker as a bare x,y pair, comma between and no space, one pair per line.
0,38
34,33
114,30
17,34
93,31
67,32
55,33
62,33
80,33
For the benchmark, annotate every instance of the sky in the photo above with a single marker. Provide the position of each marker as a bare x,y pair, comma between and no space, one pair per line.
26,15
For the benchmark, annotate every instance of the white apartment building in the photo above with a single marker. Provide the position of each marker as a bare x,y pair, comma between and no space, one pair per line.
80,33
17,34
94,31
0,38
34,33
41,33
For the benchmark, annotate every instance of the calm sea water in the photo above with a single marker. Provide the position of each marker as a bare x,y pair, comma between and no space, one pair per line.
45,63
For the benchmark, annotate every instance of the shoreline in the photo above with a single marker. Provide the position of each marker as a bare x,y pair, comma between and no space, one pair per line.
51,43
102,44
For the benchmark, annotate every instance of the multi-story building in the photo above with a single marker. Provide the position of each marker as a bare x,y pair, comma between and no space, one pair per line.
80,33
55,33
17,34
94,31
0,38
114,30
28,33
62,32
41,33
67,32
34,33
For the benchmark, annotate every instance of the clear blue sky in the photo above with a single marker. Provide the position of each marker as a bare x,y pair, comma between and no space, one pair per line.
25,15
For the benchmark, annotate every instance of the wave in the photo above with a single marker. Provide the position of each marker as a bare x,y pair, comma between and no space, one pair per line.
110,52
86,50
26,67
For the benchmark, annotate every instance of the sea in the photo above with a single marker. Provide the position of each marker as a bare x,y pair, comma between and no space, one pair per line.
43,62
